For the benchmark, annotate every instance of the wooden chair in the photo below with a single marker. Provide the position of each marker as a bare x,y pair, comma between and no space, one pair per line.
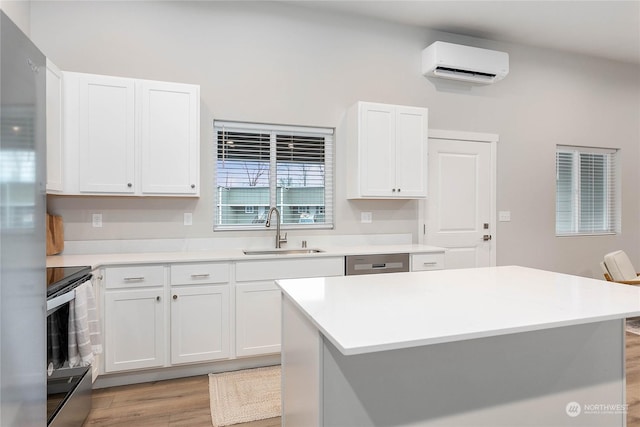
617,267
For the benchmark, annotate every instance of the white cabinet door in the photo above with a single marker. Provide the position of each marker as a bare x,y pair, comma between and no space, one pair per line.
386,151
258,298
377,150
135,334
106,134
55,154
170,138
199,323
410,146
257,318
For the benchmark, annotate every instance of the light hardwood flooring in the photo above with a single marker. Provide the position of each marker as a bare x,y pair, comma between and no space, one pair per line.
185,402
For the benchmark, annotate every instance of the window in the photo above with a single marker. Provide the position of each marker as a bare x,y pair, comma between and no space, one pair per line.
586,191
260,165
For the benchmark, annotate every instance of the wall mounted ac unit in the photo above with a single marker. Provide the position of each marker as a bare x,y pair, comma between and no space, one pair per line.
465,63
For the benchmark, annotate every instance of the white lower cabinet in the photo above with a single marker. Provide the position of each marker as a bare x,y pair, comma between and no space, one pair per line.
199,323
164,315
200,318
427,261
141,326
258,298
134,329
257,318
134,317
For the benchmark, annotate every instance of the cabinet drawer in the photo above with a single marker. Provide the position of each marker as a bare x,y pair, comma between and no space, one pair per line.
289,268
193,274
134,276
423,262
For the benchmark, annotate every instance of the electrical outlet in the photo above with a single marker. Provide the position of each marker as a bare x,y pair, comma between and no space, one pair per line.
504,216
366,217
96,220
188,218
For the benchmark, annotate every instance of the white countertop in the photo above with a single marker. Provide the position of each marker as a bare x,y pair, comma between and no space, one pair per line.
364,314
233,254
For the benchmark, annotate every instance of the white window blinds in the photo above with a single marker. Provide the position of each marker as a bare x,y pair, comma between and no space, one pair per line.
259,166
586,191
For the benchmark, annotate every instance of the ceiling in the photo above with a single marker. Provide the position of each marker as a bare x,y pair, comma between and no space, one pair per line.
608,29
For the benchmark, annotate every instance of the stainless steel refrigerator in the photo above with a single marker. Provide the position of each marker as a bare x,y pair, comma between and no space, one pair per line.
22,223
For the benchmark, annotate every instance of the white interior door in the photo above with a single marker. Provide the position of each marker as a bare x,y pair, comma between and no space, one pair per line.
459,212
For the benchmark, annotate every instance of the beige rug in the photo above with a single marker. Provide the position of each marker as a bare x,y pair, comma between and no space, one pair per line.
243,396
633,325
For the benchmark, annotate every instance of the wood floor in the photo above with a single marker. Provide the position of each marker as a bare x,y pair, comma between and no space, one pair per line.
185,402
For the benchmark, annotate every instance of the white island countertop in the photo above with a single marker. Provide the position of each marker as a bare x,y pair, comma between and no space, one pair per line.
371,313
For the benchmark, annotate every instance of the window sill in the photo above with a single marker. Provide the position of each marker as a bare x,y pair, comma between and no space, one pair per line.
587,234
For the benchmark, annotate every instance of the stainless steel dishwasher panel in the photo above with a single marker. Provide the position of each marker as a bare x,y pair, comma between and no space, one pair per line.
376,264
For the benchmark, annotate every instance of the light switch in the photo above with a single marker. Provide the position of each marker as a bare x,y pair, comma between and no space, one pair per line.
188,218
366,217
504,216
96,220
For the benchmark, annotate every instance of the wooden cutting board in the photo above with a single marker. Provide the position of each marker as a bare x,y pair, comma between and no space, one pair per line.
55,235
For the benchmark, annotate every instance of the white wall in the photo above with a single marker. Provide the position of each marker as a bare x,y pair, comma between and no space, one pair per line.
19,12
284,63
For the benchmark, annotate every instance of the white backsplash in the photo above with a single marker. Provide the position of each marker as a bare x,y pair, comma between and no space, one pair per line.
220,243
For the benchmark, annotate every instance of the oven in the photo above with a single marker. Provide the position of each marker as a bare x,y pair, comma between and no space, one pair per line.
68,388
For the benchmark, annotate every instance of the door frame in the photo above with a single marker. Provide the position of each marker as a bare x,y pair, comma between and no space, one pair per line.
488,138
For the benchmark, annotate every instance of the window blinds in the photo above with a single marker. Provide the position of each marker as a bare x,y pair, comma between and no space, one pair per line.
259,166
586,191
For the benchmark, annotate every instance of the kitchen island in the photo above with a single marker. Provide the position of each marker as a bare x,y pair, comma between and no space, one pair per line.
500,346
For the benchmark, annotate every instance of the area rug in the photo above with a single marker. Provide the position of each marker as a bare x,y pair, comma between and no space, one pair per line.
246,395
633,325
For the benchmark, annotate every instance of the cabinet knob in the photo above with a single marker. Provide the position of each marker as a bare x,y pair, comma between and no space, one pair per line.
158,298
129,185
175,297
393,191
193,186
398,190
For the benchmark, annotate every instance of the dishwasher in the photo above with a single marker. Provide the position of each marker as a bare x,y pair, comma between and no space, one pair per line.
376,264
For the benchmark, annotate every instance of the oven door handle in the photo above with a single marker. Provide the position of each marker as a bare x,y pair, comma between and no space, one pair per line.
56,302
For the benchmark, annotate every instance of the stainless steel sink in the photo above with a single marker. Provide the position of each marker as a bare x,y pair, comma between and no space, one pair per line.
281,251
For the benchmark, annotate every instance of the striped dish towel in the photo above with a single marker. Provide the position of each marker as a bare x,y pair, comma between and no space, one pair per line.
84,332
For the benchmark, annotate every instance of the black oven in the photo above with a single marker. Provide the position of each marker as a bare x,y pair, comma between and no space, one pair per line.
68,388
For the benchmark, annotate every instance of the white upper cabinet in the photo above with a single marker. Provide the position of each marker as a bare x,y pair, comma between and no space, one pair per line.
130,137
170,138
54,129
386,154
106,128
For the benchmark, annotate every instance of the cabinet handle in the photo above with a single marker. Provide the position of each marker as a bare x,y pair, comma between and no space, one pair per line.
157,298
130,279
426,264
175,297
129,185
200,276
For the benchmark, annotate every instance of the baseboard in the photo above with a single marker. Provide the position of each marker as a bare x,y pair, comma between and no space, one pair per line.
159,374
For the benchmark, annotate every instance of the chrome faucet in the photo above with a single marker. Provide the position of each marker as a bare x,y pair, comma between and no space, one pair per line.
268,224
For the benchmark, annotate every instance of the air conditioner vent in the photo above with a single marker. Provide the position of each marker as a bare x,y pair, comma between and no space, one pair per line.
464,63
450,70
